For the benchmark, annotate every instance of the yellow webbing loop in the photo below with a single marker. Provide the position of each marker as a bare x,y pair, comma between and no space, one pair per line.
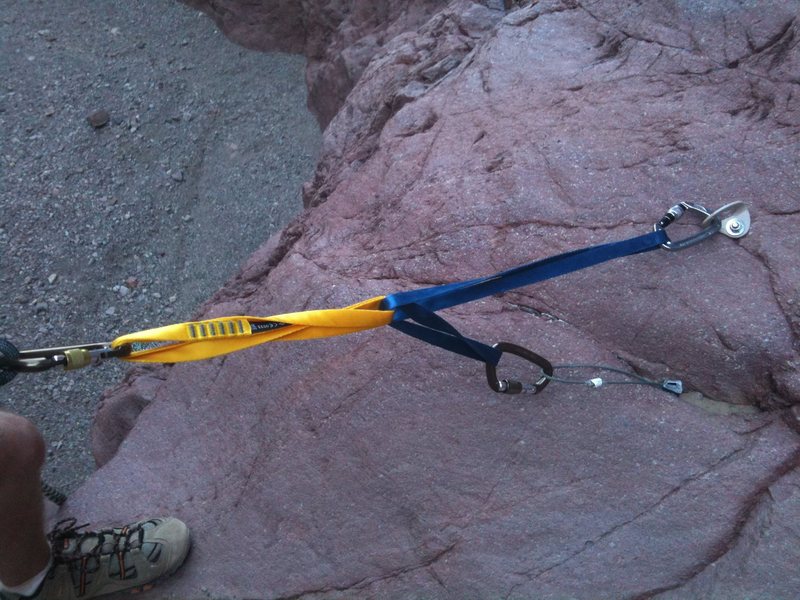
205,339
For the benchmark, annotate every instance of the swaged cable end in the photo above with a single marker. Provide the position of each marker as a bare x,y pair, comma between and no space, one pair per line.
673,386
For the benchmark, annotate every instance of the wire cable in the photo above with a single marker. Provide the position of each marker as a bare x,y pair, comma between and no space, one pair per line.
673,386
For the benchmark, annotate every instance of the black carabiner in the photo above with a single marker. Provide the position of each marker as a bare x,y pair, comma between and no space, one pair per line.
676,212
508,386
8,358
14,361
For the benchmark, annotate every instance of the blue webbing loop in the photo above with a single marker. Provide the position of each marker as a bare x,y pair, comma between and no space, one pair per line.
451,294
432,328
420,305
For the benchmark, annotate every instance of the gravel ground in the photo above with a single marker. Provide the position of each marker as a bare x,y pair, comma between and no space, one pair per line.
133,224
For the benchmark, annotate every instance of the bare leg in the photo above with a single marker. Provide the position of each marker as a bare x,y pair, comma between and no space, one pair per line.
24,550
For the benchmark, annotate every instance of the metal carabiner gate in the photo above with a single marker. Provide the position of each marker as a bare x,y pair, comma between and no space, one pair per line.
711,225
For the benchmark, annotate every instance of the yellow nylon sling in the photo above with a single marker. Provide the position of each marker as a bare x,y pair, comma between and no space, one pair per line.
198,340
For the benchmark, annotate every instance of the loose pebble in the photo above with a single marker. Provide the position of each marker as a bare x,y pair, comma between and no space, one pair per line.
99,118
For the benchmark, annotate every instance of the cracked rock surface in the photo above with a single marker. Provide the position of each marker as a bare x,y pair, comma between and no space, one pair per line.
489,135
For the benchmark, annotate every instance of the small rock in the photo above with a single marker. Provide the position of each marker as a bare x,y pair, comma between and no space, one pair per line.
51,279
172,299
40,307
99,118
132,282
176,175
49,111
124,290
111,311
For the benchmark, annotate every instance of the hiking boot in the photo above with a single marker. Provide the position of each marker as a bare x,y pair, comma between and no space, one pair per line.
92,563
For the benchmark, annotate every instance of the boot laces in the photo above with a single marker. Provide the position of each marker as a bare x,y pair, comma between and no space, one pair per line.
82,552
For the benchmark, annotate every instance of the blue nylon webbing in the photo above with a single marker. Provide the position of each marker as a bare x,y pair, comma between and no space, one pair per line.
420,305
432,328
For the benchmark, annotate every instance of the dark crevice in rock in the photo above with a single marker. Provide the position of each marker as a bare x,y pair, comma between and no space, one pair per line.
785,213
777,46
783,307
366,582
537,312
727,543
529,12
121,406
611,45
791,417
728,458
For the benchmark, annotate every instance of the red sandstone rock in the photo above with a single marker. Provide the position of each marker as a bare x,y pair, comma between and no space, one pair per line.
339,38
374,466
120,408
